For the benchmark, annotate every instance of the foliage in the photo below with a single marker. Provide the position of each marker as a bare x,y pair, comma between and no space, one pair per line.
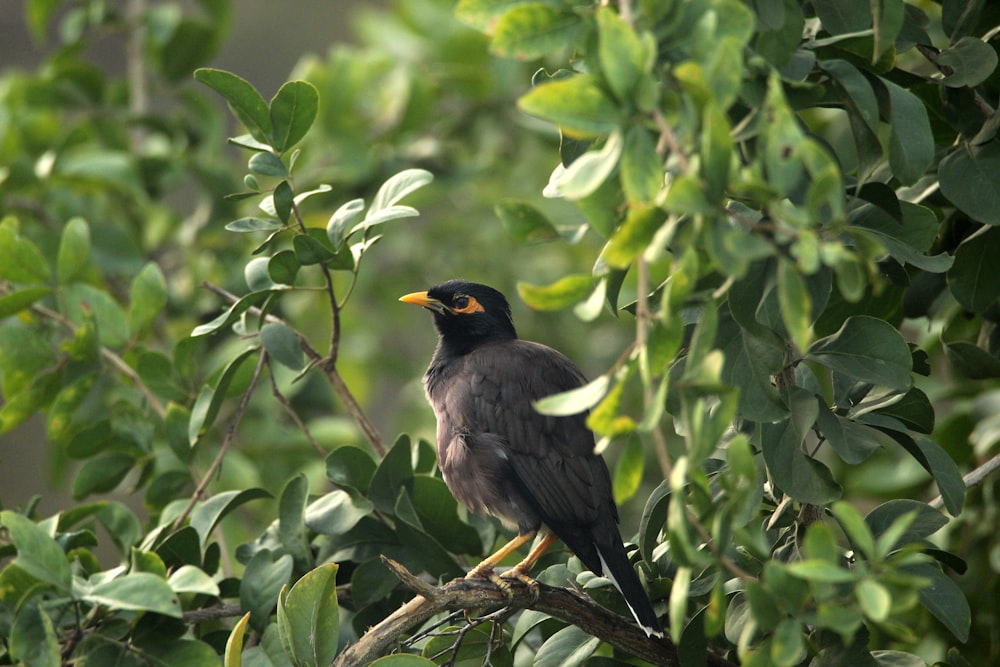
788,210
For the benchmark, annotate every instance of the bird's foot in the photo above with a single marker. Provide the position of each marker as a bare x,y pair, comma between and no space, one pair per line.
519,575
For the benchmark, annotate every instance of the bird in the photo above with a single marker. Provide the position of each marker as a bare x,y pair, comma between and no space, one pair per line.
499,455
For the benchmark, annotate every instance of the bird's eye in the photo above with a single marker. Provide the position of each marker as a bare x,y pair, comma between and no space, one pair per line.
466,304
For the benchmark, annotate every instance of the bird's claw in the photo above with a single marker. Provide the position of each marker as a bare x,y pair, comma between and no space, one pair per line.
517,574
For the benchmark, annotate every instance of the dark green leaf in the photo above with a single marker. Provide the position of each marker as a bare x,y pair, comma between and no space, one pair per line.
800,476
283,344
232,314
262,580
292,112
971,278
102,473
570,647
914,410
282,267
852,441
266,163
292,521
945,600
971,61
438,512
394,472
246,103
642,167
282,201
83,301
843,16
206,406
925,523
207,514
33,640
911,142
338,511
350,466
867,349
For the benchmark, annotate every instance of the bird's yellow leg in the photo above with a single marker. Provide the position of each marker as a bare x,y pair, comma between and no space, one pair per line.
485,568
520,571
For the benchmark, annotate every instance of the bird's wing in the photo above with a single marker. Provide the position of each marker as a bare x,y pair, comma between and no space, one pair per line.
552,458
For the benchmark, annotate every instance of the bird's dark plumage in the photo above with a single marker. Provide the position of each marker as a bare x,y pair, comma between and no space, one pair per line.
499,455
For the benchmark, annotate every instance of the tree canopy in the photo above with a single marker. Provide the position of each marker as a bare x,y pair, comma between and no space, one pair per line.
763,228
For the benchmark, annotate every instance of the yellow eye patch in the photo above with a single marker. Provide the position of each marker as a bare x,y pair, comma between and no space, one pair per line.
466,304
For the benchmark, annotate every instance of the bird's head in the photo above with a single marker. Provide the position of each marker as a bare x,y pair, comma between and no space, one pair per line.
466,314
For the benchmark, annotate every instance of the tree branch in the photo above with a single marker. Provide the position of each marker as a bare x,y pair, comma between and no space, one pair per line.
562,603
974,478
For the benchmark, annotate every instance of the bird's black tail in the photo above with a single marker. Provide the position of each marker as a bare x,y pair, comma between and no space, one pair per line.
617,568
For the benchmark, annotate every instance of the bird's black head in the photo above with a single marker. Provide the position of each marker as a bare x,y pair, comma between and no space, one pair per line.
466,314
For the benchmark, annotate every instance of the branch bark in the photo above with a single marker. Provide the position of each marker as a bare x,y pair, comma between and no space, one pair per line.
477,594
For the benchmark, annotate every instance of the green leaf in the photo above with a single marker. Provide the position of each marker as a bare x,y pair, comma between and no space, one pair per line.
843,16
398,186
244,225
22,261
147,297
28,400
911,141
234,645
282,268
717,152
74,250
350,466
574,401
970,178
191,579
281,201
628,470
338,511
263,580
402,660
642,173
921,520
438,512
208,513
867,349
788,647
853,442
342,218
751,362
588,172
945,600
800,476
971,61
971,279
796,306
38,553
140,591
874,598
887,20
854,525
577,104
283,344
102,474
569,647
292,522
564,292
206,406
83,301
246,103
17,301
624,56
309,618
231,314
634,236
533,30
266,163
523,222
292,112
820,571
946,474
33,640
384,215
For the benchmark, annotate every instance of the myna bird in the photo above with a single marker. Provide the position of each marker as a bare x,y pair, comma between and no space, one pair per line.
498,454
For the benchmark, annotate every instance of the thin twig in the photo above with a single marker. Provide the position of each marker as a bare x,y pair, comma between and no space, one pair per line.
227,441
328,369
973,478
292,414
643,317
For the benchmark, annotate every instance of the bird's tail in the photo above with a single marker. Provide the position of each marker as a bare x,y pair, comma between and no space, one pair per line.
617,568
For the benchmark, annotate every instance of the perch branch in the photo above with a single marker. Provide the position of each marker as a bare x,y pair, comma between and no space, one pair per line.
562,603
